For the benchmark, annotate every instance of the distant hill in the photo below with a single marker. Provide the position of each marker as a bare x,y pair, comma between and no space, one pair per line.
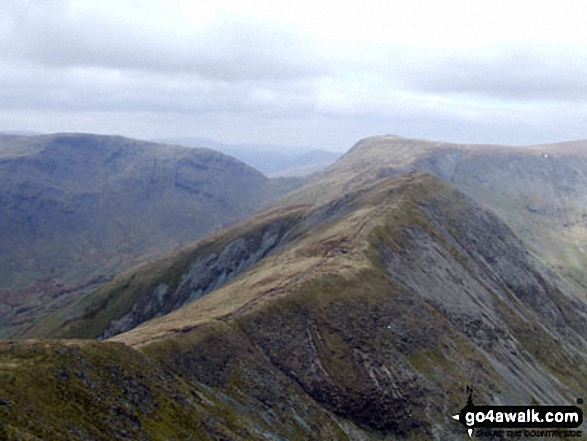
274,161
363,317
77,208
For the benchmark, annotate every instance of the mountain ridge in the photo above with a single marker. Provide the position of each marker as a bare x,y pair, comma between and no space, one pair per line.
375,316
325,327
538,190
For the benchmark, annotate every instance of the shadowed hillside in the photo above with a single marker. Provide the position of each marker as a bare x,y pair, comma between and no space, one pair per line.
76,209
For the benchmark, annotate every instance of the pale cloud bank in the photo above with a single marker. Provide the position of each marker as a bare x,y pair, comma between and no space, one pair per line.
315,73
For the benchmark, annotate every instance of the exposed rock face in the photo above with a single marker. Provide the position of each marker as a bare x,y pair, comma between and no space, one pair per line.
76,209
205,275
464,303
156,288
543,197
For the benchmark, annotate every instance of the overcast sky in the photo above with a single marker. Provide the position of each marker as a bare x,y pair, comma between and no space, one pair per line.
311,72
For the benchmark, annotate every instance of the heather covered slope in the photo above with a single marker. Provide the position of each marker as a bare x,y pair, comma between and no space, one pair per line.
540,191
75,209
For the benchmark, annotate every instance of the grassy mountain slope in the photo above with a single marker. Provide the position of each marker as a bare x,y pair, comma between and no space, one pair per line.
80,390
375,312
76,209
540,191
365,322
400,296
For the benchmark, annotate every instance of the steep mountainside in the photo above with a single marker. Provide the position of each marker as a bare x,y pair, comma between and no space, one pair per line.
165,284
366,321
540,191
75,209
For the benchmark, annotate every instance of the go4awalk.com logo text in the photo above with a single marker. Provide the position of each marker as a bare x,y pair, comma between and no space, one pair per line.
520,421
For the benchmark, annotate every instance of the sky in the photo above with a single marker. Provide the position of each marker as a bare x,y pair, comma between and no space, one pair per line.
315,73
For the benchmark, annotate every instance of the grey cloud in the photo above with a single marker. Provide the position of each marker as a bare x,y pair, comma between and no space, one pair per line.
557,123
509,72
51,89
229,49
244,81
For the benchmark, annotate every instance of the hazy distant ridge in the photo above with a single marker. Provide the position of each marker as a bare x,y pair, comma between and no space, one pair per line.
272,160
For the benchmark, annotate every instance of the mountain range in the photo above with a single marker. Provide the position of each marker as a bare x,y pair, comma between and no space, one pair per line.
358,306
